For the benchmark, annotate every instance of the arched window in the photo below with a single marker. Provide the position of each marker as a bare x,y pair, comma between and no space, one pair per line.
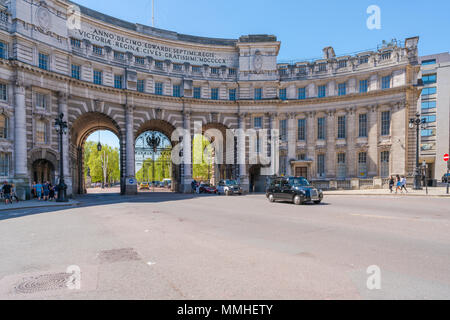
3,127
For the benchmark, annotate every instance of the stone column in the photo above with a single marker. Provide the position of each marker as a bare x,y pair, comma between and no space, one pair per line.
311,142
372,154
292,142
351,138
186,179
63,108
331,157
21,178
242,154
398,138
130,171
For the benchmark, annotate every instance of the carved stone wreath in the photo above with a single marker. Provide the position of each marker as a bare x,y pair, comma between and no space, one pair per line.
43,18
258,62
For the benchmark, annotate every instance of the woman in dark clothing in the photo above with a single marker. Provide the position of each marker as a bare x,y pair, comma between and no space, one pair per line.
391,184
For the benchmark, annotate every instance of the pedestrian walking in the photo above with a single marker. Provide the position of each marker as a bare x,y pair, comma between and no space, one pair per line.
14,194
39,191
7,188
391,184
51,195
398,185
33,190
46,189
404,184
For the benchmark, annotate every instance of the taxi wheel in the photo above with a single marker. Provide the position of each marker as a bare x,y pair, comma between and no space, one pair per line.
298,200
271,198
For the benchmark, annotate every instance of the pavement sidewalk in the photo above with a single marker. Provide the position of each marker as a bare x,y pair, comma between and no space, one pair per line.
432,192
36,204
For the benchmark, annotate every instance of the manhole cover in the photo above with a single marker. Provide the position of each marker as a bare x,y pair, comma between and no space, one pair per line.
40,283
118,255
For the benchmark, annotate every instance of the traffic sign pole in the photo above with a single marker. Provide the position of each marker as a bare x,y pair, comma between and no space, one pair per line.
446,158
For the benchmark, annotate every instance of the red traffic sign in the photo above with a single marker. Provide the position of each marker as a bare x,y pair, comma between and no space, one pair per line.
446,157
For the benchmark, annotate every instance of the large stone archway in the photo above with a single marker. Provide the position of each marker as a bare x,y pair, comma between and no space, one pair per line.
81,129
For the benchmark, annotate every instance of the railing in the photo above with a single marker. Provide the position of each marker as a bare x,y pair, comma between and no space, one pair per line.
344,184
366,183
321,184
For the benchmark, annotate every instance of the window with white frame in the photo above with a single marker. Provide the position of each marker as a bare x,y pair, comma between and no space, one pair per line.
3,92
141,85
362,164
301,130
232,72
258,93
301,93
384,168
385,123
342,63
3,50
342,89
139,60
342,127
197,92
283,130
386,82
177,67
4,126
341,166
42,100
43,61
282,94
258,124
159,88
5,159
232,94
363,125
196,69
118,81
322,91
321,128
41,132
363,86
215,93
215,70
176,90
159,65
75,43
97,50
98,77
322,67
76,71
321,165
119,56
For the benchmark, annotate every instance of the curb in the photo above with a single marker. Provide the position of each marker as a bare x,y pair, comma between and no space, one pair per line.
35,207
388,195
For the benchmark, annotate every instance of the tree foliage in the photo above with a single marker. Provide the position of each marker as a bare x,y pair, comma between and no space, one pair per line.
93,162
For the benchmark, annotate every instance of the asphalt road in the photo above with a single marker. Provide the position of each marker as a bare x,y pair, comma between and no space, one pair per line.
168,246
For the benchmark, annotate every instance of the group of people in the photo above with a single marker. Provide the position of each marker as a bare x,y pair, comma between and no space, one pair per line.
44,191
399,183
8,192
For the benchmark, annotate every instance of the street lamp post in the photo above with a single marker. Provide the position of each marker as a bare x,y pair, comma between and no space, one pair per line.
418,123
61,129
153,142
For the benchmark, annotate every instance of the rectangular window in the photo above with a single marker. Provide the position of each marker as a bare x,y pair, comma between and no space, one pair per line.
301,129
4,164
258,93
428,91
41,101
342,127
322,91
385,123
362,164
97,50
177,91
428,104
322,67
196,69
428,62
429,119
159,65
41,132
159,88
364,60
3,50
118,81
321,165
282,94
428,133
301,93
215,71
429,79
76,71
342,64
215,94
342,89
141,85
197,93
232,94
232,72
283,71
302,70
257,123
341,166
384,169
119,56
98,77
3,92
363,125
321,129
4,127
43,61
363,86
386,82
139,60
75,43
177,67
283,130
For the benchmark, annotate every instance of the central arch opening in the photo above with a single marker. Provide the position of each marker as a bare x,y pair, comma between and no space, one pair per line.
154,169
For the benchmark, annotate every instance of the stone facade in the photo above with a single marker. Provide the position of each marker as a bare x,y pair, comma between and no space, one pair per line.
104,73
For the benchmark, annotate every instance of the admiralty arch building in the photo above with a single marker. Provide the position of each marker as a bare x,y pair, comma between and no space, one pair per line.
342,119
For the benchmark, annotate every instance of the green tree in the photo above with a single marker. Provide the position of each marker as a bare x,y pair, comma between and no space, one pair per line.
93,160
202,154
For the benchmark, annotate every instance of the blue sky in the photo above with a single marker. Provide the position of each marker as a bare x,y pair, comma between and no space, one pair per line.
303,27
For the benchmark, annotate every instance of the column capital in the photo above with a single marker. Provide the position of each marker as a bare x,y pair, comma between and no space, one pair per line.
291,115
62,96
374,107
129,108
